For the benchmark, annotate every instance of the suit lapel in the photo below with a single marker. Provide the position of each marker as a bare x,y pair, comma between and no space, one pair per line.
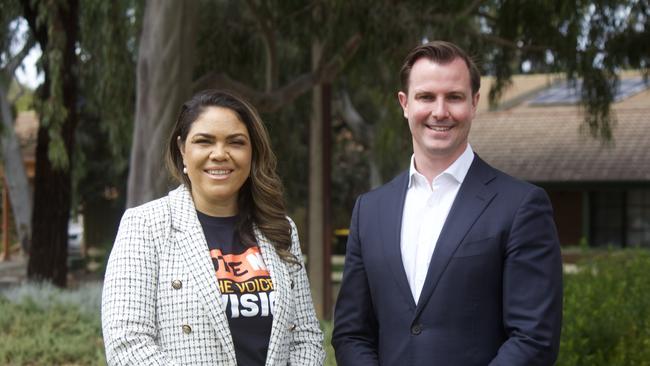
473,197
390,221
188,235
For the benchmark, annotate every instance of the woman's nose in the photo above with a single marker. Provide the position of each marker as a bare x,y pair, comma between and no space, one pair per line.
218,152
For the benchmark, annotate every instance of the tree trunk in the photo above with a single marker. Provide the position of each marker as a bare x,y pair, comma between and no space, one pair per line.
52,185
319,229
164,80
16,178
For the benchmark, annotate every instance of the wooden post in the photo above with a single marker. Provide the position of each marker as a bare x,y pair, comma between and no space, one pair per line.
6,250
315,269
326,98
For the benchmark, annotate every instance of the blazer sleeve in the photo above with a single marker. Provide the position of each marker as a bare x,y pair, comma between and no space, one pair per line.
532,286
306,347
355,326
129,296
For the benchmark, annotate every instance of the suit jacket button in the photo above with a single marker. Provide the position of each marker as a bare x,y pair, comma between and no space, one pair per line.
187,329
292,327
176,284
416,329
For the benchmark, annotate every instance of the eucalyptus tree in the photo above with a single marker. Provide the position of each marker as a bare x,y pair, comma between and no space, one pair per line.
12,159
86,108
54,25
109,31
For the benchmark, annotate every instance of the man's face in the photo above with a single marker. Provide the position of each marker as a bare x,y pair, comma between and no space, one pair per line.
439,108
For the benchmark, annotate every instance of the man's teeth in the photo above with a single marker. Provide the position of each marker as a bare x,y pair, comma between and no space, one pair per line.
440,128
218,172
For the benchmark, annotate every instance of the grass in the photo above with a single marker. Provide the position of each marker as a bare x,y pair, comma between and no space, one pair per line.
42,325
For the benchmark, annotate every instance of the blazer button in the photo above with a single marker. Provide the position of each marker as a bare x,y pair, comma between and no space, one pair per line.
416,329
187,329
176,284
292,327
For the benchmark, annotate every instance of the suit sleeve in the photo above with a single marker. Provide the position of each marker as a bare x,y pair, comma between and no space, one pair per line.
355,326
129,296
307,338
532,286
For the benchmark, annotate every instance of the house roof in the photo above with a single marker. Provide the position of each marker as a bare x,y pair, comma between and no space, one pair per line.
547,144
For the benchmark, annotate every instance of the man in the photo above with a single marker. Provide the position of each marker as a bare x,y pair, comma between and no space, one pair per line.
452,263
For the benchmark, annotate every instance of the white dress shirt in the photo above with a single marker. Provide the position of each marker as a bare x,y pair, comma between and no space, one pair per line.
425,210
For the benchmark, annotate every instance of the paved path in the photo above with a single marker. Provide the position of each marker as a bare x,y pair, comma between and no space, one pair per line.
14,273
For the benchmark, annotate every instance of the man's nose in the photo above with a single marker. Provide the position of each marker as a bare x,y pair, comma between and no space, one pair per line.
440,110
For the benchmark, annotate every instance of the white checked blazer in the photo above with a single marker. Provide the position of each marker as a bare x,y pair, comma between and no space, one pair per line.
147,321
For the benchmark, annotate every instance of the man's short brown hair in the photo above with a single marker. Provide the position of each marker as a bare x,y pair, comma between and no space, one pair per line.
443,53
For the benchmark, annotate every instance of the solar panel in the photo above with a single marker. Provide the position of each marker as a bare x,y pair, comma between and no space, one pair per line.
565,92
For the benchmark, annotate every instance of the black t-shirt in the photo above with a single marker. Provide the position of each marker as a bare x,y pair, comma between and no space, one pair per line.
247,294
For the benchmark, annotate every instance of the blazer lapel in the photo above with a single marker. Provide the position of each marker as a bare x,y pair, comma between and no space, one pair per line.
281,283
473,197
188,235
390,222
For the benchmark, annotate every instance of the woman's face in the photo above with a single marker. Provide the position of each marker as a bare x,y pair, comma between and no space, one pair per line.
217,154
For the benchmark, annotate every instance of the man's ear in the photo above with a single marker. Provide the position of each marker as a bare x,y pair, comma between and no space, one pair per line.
475,99
403,100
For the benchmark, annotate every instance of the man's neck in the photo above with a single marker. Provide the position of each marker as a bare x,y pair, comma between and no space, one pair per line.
432,166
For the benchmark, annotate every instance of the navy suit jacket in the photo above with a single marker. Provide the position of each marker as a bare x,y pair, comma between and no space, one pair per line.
493,291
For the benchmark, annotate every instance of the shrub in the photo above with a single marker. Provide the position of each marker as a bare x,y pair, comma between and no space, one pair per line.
42,325
607,311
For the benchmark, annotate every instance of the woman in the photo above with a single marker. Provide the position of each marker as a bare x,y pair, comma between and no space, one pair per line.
212,273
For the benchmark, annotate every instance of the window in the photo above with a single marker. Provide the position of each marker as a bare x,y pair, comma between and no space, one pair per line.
620,218
638,213
607,218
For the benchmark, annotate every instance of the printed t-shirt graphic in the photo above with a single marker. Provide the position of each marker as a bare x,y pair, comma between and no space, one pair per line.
244,281
246,288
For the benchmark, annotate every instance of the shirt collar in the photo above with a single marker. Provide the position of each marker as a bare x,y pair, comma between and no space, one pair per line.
458,169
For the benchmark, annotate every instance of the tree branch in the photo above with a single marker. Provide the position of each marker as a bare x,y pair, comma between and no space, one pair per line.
487,16
271,101
506,42
16,60
268,35
353,119
451,17
469,9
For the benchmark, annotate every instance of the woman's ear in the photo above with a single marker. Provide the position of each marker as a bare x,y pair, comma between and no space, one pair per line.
181,146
